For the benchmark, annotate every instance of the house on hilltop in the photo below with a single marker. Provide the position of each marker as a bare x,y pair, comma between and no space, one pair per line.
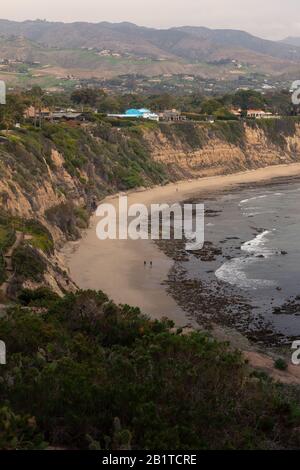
34,113
172,115
142,113
61,115
259,114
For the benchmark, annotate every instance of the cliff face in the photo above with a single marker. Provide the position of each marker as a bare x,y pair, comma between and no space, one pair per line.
50,177
254,148
43,169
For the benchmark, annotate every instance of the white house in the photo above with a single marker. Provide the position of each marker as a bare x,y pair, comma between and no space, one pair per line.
259,114
142,113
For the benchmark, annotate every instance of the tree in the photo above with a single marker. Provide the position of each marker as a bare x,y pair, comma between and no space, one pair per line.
36,95
247,99
87,96
224,114
211,106
12,111
279,102
162,102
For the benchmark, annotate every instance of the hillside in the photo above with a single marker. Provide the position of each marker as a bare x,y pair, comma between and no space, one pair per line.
76,48
293,41
84,373
50,177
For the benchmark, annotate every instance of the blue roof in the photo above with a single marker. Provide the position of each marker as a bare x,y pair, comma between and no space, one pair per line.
137,112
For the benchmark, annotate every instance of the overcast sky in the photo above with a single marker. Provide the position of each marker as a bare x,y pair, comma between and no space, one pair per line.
274,19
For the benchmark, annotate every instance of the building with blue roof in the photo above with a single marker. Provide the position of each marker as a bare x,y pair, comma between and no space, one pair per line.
142,113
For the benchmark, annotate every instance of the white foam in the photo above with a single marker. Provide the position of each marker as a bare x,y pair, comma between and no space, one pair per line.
252,214
262,196
257,245
232,272
244,201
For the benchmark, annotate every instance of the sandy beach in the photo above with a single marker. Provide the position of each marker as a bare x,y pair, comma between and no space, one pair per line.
117,266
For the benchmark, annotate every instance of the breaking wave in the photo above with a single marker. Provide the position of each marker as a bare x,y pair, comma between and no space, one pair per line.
233,271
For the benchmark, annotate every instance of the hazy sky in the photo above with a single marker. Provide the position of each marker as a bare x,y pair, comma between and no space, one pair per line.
274,19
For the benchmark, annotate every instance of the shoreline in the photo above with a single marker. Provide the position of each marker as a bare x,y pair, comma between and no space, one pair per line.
117,266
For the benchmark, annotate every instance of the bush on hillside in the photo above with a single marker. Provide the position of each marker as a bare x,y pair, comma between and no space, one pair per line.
28,263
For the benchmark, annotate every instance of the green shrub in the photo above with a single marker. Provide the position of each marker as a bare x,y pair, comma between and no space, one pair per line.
18,431
82,217
190,133
63,215
41,297
28,263
7,239
230,131
280,364
40,236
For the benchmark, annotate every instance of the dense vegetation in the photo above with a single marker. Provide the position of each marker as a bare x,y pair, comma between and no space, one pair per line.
121,160
194,105
7,238
27,262
84,373
219,106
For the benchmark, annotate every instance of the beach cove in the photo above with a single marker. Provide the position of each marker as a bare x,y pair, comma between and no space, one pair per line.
117,266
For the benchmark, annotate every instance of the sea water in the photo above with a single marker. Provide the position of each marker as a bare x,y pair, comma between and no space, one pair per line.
258,229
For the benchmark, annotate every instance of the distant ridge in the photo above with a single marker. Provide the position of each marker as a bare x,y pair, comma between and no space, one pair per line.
180,46
293,41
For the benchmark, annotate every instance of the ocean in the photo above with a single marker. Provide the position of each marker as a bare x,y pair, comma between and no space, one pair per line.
256,235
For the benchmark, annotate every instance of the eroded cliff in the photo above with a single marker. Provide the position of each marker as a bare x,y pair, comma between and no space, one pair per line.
51,178
222,148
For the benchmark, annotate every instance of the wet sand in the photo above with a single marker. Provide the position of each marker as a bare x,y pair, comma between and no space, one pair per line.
117,266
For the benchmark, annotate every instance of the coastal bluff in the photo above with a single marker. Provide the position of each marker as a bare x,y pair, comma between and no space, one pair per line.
190,150
52,177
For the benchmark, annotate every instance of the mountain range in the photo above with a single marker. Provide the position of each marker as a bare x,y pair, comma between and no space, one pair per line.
113,48
293,41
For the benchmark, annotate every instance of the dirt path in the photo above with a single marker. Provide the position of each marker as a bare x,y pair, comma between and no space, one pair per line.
265,363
